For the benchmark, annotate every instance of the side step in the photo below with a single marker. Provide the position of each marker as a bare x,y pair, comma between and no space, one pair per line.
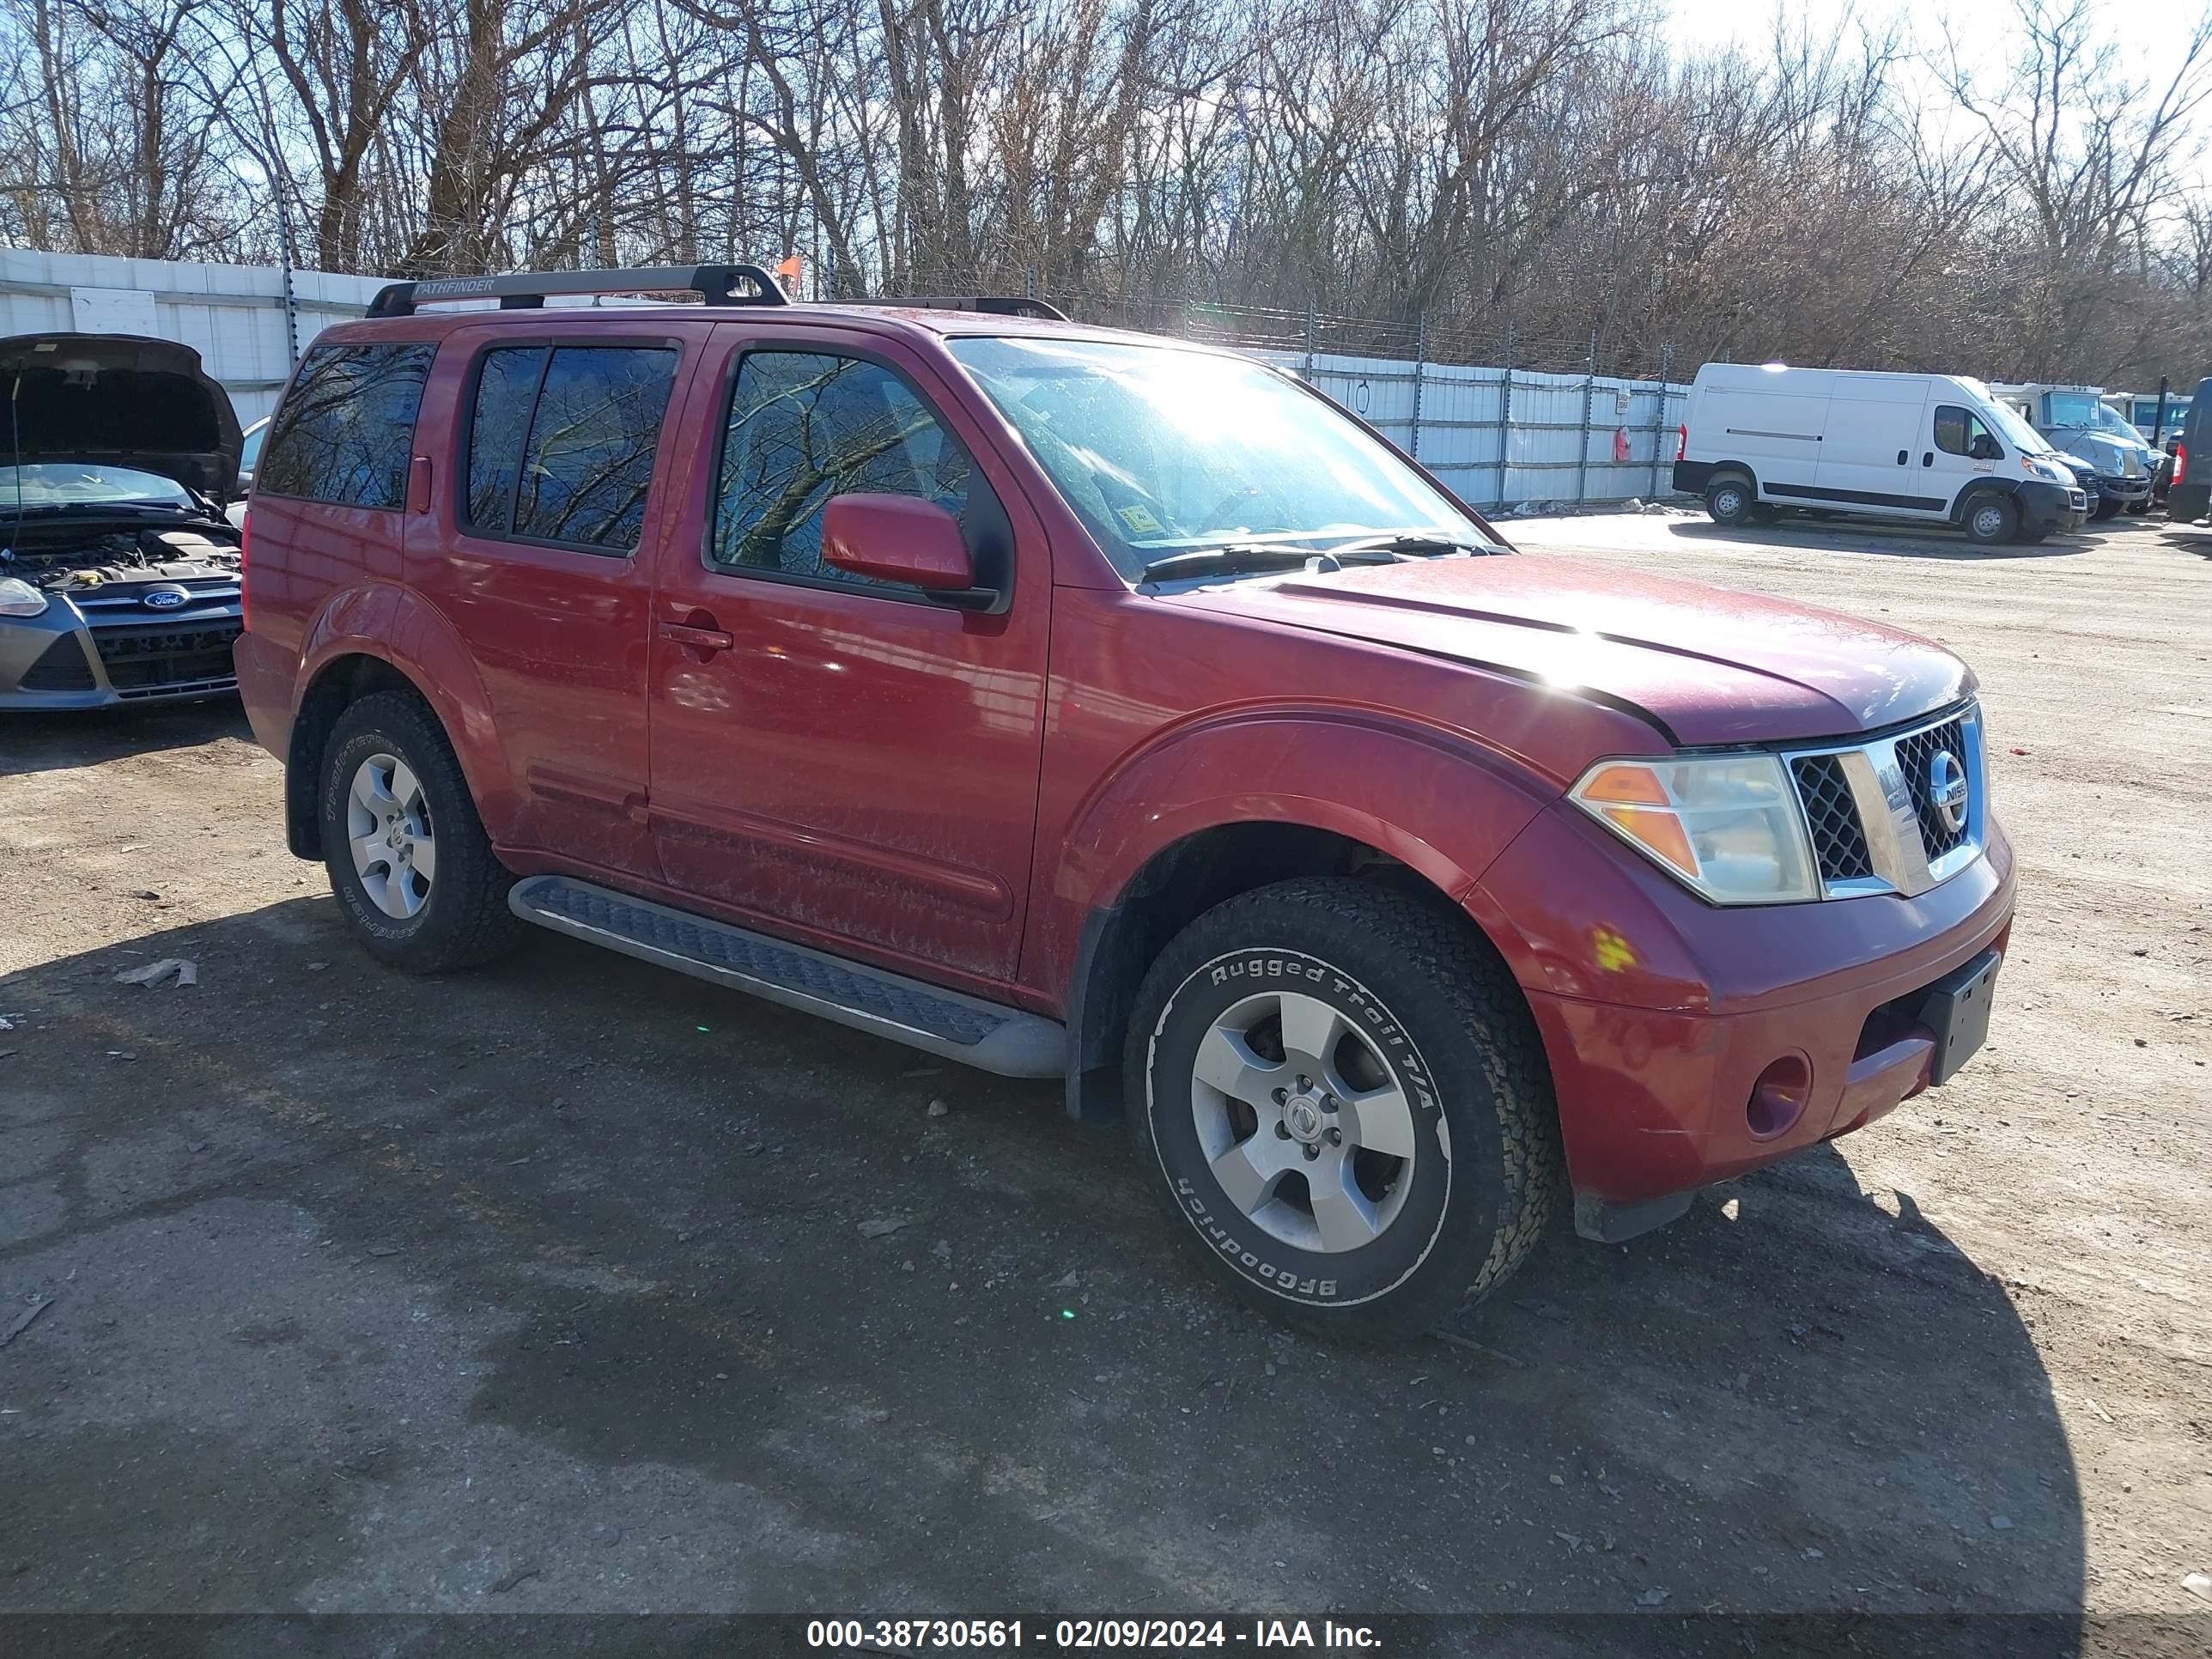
987,1035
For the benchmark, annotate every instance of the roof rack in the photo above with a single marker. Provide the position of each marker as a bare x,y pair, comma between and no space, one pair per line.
997,304
718,285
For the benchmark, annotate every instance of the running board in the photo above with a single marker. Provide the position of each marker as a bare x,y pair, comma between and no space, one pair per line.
987,1035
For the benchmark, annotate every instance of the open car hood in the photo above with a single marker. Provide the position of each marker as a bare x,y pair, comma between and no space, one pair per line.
121,399
1711,666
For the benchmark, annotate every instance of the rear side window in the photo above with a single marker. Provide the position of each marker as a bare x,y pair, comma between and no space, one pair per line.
561,441
807,426
347,429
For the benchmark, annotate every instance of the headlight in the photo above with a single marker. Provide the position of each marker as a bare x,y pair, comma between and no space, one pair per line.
19,599
1728,826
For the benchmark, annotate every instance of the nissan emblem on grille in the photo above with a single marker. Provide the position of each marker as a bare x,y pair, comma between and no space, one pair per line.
1947,789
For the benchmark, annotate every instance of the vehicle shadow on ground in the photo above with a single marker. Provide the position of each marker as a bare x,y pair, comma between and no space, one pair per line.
48,743
1888,541
659,1296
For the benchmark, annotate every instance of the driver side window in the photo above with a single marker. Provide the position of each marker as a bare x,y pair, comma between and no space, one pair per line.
807,426
1960,432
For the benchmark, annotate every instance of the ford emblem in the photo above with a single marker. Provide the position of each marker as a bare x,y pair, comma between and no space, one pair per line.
164,598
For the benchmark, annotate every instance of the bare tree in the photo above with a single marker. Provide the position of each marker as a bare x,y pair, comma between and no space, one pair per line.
1463,171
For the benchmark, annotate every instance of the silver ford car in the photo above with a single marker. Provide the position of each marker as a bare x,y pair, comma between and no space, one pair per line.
119,576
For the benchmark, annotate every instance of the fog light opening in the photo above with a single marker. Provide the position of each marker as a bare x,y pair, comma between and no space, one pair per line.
1777,1099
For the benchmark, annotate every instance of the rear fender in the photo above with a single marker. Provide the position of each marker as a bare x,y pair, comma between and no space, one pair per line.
398,626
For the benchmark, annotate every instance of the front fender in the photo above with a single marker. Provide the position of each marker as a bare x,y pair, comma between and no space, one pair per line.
398,626
1443,806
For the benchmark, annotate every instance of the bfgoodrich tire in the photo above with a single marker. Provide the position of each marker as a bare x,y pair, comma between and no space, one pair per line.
1343,1097
407,854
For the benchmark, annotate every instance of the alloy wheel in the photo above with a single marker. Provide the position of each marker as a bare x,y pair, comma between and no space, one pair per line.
1303,1123
388,832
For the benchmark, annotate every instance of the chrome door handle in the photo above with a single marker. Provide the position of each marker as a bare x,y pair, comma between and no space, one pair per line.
699,639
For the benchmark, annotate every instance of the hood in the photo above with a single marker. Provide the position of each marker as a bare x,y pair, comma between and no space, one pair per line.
123,400
1709,666
2108,455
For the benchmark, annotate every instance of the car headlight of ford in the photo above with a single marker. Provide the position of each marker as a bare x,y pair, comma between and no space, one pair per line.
19,599
1726,826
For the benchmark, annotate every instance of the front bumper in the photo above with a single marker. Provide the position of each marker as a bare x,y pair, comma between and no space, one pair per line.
110,651
1660,1015
2045,506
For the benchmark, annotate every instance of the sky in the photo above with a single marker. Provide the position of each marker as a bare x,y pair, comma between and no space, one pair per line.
2141,24
1985,31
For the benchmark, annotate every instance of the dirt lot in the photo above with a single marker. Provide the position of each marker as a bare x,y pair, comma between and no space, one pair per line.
547,1288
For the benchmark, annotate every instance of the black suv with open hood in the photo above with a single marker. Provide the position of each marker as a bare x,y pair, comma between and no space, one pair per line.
120,576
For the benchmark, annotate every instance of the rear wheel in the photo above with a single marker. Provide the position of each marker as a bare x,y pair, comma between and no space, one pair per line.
1343,1098
1992,519
1730,499
407,854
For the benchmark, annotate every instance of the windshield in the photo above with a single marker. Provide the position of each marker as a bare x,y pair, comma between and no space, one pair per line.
2014,430
2109,419
2084,411
76,484
1160,450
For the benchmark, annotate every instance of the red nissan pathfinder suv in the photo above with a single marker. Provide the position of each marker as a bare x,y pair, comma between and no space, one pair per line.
1084,705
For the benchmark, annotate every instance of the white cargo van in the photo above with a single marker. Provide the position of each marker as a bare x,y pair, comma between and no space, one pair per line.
1935,448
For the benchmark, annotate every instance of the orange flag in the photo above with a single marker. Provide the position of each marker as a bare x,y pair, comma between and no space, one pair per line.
788,271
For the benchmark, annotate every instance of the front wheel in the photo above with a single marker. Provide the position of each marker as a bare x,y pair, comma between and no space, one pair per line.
2106,508
1343,1097
1992,520
2142,506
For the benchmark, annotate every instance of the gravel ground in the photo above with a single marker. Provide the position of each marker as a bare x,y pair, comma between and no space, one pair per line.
564,1287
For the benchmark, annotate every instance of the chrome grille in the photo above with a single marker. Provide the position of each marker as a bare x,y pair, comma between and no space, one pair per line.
1913,754
1838,841
1871,817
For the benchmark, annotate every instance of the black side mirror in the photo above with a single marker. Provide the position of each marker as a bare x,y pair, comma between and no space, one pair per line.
1984,448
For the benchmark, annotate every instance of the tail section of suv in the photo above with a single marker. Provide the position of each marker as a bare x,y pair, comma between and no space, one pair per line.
1086,705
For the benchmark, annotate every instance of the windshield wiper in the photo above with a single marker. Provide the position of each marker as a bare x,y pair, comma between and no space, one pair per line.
1384,547
1249,555
1410,544
117,505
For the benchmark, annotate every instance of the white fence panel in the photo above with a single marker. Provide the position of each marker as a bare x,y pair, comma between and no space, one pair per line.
1498,437
233,315
1501,439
